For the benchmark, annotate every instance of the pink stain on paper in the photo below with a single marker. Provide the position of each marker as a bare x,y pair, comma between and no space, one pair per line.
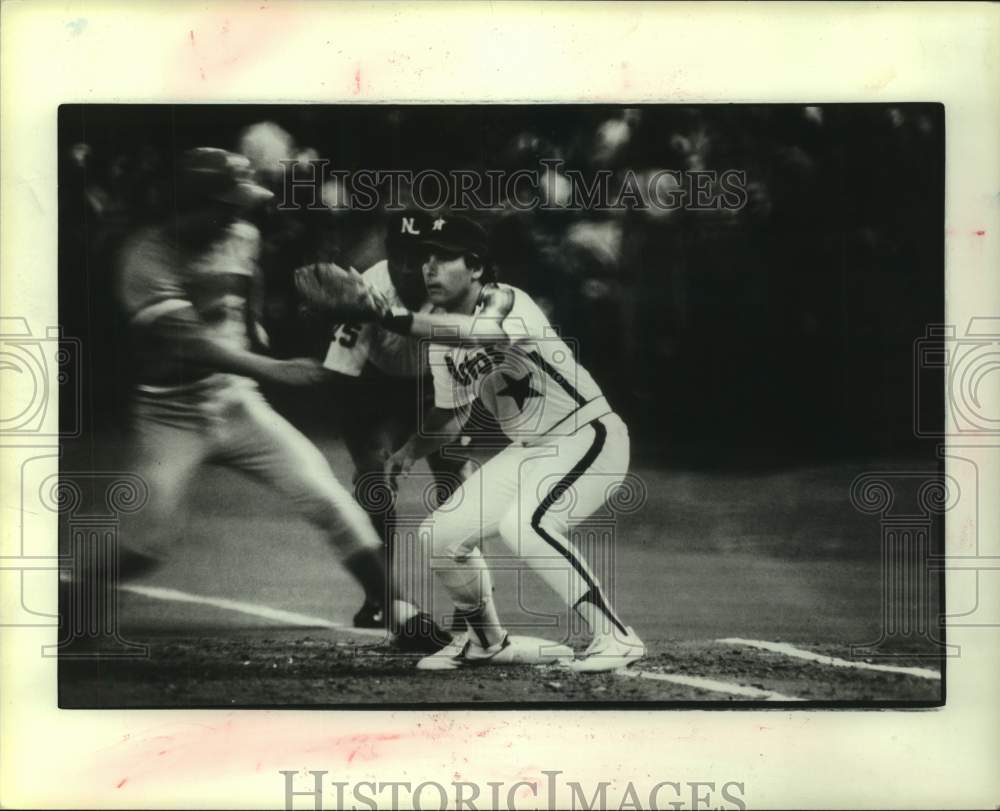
217,44
239,746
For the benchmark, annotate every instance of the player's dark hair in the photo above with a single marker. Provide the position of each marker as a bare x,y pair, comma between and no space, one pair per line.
474,261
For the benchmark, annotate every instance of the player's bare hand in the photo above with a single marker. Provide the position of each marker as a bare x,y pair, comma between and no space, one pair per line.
343,294
296,372
375,299
307,282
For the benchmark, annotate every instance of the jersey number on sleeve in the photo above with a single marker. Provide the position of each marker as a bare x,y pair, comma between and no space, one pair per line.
347,335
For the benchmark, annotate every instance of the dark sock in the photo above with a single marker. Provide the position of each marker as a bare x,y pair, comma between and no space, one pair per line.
483,622
595,610
368,568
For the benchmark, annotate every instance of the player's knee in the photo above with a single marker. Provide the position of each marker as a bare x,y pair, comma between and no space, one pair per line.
441,538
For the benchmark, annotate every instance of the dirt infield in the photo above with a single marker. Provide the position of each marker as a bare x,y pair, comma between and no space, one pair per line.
290,669
776,557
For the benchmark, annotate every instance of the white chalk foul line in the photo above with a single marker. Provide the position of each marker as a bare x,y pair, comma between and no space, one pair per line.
711,685
833,661
263,611
305,620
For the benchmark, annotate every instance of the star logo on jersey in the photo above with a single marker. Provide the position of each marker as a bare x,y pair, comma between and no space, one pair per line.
438,224
519,388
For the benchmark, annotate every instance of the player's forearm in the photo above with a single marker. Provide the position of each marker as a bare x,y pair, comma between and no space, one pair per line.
185,338
448,327
220,357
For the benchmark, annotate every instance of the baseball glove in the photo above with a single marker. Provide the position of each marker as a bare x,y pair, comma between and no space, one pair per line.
342,293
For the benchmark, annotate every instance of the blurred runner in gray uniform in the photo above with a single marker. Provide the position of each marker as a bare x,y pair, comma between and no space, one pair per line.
188,287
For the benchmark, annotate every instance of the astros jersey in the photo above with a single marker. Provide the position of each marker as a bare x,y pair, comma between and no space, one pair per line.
159,283
533,386
353,345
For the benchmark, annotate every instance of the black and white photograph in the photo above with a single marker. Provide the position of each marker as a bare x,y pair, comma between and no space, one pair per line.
532,405
489,405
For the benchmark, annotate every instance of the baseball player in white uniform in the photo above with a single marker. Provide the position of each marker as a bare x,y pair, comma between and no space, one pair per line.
491,343
188,289
380,408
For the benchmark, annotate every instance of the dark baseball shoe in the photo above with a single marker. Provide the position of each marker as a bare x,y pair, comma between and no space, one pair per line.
420,634
131,566
370,615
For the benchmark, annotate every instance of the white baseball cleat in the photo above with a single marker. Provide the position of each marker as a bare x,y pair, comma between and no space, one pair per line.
465,652
448,658
611,651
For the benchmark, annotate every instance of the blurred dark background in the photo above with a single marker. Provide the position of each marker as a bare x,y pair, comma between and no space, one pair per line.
781,333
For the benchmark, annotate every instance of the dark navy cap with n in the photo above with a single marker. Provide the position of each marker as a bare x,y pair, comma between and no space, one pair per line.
407,227
456,235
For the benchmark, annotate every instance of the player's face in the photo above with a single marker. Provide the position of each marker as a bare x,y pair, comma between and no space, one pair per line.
406,272
448,280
